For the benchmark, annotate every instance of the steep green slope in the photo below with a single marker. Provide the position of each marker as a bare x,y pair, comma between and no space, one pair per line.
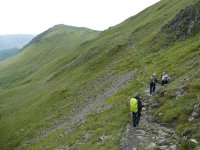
24,91
73,98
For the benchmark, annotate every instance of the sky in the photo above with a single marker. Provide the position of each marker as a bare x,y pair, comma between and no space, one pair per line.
36,16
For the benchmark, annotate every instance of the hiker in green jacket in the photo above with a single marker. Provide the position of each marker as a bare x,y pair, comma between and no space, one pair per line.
136,108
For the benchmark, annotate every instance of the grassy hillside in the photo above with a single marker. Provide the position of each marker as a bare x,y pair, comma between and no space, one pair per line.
59,41
71,86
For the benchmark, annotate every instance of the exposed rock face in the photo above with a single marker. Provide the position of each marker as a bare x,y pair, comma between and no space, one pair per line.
184,25
196,112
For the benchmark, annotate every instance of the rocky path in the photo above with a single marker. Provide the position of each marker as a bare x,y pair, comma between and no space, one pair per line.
148,135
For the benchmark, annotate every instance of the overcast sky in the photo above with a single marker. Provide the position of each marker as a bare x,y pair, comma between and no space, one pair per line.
36,16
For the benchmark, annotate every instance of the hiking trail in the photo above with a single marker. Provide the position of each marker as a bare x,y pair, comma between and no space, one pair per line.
148,134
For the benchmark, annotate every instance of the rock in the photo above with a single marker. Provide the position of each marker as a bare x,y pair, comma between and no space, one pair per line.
194,141
164,147
66,147
179,94
155,105
195,113
173,147
196,107
163,141
86,137
152,146
144,108
168,131
102,138
141,132
161,133
22,130
190,119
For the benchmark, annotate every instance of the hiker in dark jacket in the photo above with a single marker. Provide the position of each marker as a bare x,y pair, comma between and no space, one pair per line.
153,81
136,108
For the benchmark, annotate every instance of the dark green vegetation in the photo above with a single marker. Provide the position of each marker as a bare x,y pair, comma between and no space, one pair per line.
14,41
4,54
71,86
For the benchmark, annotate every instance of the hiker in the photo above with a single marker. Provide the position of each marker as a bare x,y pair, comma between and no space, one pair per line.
153,81
136,108
165,79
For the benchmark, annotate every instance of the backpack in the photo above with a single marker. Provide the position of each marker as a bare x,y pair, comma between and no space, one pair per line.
134,105
166,79
153,80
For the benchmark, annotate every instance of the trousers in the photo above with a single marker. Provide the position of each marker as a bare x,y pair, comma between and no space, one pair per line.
136,118
152,88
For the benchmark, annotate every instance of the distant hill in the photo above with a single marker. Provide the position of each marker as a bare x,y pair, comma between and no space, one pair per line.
4,54
14,41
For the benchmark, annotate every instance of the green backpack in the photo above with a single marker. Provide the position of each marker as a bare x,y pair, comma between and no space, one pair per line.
134,105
